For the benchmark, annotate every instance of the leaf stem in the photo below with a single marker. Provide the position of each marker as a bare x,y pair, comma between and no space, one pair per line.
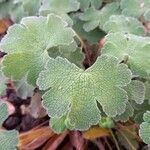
115,140
127,140
83,45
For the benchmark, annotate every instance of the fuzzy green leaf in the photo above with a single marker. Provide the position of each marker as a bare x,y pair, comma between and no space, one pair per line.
131,48
135,8
2,82
58,124
75,92
125,116
92,36
97,18
3,113
30,6
145,128
55,6
85,4
8,140
27,45
136,91
120,23
60,8
147,93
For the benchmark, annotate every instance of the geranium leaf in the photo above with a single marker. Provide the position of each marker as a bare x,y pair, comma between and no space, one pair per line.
131,48
82,90
145,127
27,45
97,18
135,8
85,4
120,23
62,9
125,116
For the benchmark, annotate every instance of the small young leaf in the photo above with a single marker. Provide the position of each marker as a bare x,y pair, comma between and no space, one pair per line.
120,23
97,18
75,92
131,48
27,45
8,140
125,116
136,91
106,122
145,127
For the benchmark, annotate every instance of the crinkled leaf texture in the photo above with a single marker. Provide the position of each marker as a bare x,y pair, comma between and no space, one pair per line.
30,6
27,44
136,93
135,8
8,140
85,4
3,113
120,23
145,128
75,93
60,8
135,50
2,83
97,18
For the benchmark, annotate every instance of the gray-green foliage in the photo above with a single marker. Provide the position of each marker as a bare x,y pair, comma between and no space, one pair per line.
46,51
8,140
75,91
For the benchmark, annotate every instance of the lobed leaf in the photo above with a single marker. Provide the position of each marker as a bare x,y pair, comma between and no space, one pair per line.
97,18
75,92
85,4
27,44
136,93
62,9
135,8
145,127
120,23
135,50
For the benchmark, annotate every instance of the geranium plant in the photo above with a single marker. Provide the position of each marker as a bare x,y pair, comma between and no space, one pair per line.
89,59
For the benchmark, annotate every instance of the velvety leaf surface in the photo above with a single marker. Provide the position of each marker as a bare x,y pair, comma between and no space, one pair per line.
3,113
136,92
85,4
8,140
97,18
27,44
75,92
145,128
135,8
2,82
135,50
120,23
